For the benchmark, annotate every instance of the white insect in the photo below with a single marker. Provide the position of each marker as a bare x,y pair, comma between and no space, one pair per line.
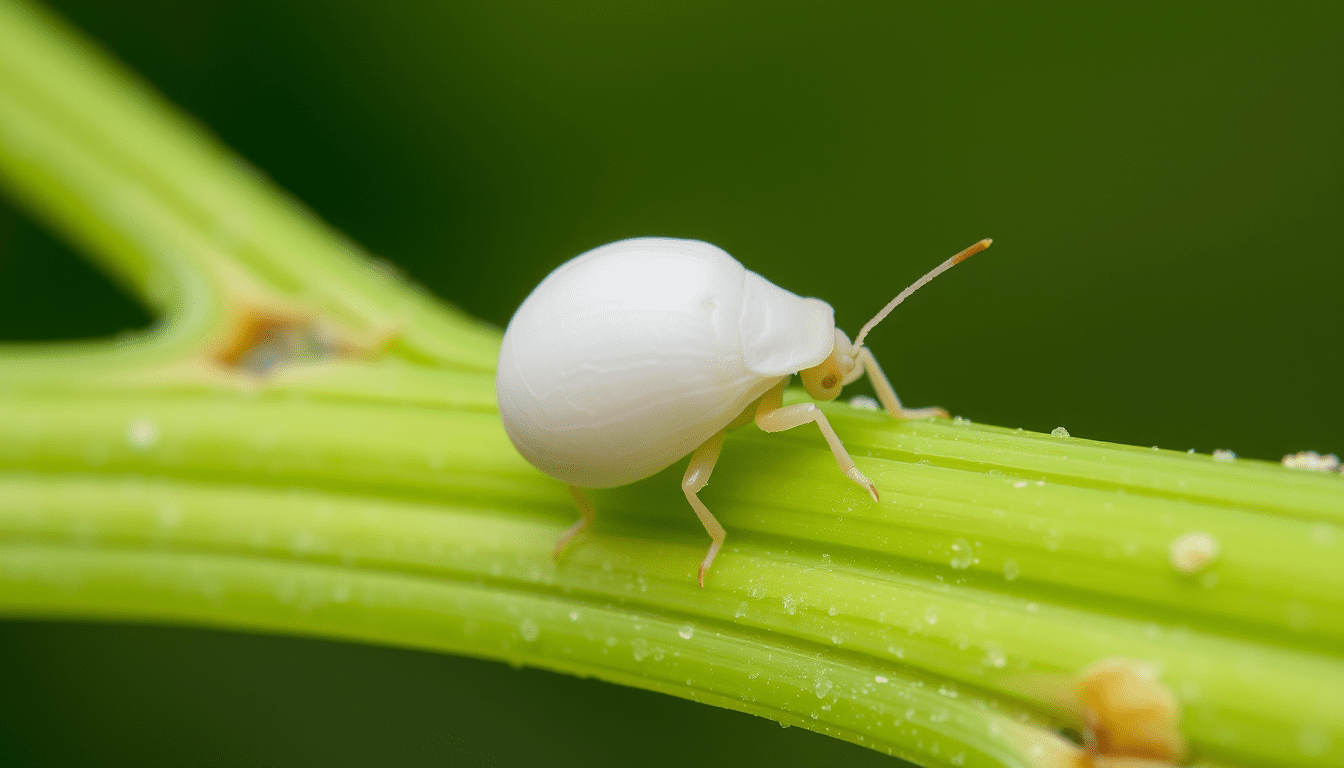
632,355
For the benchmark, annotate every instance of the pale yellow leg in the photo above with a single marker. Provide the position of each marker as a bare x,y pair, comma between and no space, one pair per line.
585,509
773,416
697,475
888,395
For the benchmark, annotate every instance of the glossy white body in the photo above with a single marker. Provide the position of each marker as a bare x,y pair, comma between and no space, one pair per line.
630,356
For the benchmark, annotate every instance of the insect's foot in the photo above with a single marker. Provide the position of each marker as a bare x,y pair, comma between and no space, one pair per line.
567,537
862,479
709,558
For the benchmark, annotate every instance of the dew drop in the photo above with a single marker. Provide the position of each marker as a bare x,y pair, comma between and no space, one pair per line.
822,687
1052,539
1193,551
640,647
686,631
1223,454
1313,461
961,554
864,403
931,614
142,434
528,630
1011,570
994,656
1059,432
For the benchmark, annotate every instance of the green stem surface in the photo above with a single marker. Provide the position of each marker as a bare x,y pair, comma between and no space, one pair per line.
375,497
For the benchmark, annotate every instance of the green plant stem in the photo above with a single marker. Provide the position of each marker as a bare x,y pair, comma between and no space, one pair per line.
376,487
377,498
166,209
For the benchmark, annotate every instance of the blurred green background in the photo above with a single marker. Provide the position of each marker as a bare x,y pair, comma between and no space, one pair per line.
1164,184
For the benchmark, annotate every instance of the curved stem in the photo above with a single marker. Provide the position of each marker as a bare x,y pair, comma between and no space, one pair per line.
370,493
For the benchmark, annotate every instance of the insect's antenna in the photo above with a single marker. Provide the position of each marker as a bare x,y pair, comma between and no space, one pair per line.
936,271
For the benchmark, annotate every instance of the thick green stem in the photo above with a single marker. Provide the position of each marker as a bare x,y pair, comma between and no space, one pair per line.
375,497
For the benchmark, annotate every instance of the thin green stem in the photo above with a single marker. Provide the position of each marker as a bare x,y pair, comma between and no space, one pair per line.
146,193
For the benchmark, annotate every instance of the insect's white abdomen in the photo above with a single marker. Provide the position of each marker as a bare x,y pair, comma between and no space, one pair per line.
627,358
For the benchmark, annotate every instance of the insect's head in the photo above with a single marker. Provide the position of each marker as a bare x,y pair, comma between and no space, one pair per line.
825,380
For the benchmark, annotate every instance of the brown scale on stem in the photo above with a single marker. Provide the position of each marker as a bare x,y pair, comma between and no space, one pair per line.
1129,712
258,341
1129,717
261,332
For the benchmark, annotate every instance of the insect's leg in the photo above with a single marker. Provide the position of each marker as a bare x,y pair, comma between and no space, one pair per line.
697,475
888,395
586,509
773,416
